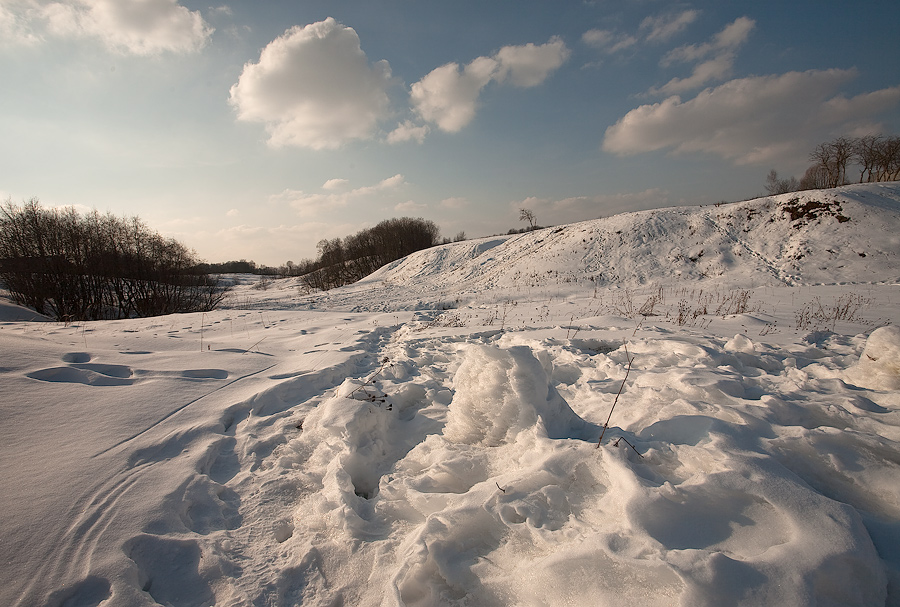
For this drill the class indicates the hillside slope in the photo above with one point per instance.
(849, 234)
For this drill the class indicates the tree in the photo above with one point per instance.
(527, 215)
(832, 157)
(888, 159)
(343, 261)
(866, 152)
(815, 178)
(94, 267)
(774, 185)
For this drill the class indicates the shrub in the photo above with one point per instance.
(93, 267)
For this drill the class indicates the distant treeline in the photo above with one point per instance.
(236, 267)
(876, 156)
(92, 267)
(346, 260)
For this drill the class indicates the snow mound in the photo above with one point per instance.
(500, 393)
(10, 312)
(879, 363)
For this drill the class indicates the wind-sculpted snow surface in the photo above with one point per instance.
(412, 453)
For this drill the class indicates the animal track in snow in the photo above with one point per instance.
(169, 570)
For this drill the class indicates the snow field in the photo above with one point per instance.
(419, 440)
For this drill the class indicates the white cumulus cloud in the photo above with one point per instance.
(314, 87)
(448, 95)
(529, 64)
(145, 27)
(408, 131)
(757, 119)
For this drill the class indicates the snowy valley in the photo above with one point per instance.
(431, 434)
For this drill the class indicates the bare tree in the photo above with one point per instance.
(832, 157)
(94, 267)
(888, 159)
(865, 153)
(774, 185)
(815, 178)
(528, 215)
(343, 261)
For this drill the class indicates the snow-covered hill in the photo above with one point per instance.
(431, 435)
(848, 234)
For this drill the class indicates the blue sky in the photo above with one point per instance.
(253, 129)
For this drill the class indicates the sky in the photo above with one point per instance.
(254, 129)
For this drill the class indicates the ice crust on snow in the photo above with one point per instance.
(430, 436)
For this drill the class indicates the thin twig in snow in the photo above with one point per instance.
(622, 387)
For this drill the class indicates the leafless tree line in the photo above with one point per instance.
(876, 156)
(343, 261)
(91, 267)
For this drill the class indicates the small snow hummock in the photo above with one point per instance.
(879, 363)
(501, 392)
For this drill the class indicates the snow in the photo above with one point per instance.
(430, 436)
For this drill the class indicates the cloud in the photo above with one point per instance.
(454, 202)
(729, 39)
(654, 29)
(313, 87)
(16, 23)
(755, 120)
(581, 208)
(714, 69)
(715, 58)
(529, 65)
(608, 41)
(664, 27)
(232, 213)
(408, 131)
(335, 184)
(448, 95)
(410, 206)
(221, 10)
(316, 203)
(148, 27)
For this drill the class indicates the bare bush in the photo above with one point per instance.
(818, 316)
(93, 267)
(734, 302)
